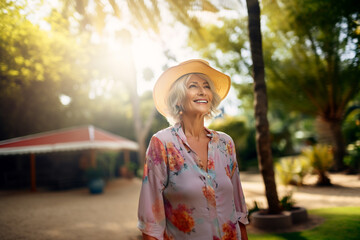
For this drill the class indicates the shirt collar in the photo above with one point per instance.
(177, 128)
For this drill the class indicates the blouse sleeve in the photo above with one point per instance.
(151, 213)
(239, 198)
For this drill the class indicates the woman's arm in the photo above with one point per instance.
(239, 198)
(151, 211)
(243, 231)
(147, 237)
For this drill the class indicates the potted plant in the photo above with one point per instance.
(261, 219)
(95, 177)
(298, 214)
(128, 170)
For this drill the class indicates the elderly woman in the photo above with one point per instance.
(191, 187)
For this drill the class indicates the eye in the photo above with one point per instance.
(192, 85)
(206, 85)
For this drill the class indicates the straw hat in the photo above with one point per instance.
(162, 87)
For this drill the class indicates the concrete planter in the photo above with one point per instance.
(265, 221)
(298, 215)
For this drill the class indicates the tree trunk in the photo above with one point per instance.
(323, 179)
(339, 145)
(127, 73)
(329, 132)
(262, 125)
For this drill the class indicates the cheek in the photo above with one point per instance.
(186, 101)
(210, 95)
(188, 96)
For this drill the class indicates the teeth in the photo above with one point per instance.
(201, 101)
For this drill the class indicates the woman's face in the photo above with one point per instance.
(198, 96)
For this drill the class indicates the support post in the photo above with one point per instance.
(126, 157)
(33, 172)
(93, 158)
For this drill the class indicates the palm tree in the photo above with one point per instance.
(319, 74)
(260, 97)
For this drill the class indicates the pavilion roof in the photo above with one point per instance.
(69, 139)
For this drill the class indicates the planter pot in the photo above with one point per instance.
(298, 215)
(96, 186)
(265, 221)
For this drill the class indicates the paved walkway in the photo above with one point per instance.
(75, 214)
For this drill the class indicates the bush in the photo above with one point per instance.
(254, 208)
(287, 202)
(243, 136)
(93, 173)
(352, 160)
(292, 170)
(321, 159)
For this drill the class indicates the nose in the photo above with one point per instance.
(202, 91)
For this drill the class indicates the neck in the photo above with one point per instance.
(193, 126)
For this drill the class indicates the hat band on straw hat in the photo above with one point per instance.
(163, 85)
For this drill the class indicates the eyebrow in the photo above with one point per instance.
(205, 83)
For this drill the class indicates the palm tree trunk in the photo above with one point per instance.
(323, 179)
(260, 102)
(329, 132)
(339, 145)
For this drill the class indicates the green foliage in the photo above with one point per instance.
(254, 208)
(37, 66)
(287, 202)
(341, 223)
(227, 46)
(292, 170)
(351, 124)
(311, 56)
(244, 138)
(131, 166)
(353, 158)
(309, 68)
(320, 157)
(106, 166)
(94, 173)
(107, 163)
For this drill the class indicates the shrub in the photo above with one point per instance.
(352, 160)
(254, 208)
(93, 173)
(321, 159)
(292, 170)
(287, 202)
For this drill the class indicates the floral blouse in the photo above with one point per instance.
(180, 199)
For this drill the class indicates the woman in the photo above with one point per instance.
(191, 187)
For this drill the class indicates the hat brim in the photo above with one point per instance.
(162, 87)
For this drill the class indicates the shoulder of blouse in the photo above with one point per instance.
(164, 135)
(221, 135)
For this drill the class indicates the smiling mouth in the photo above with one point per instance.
(201, 101)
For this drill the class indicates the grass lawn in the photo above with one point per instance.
(340, 224)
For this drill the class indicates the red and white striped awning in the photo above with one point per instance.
(77, 138)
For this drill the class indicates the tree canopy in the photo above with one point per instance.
(39, 68)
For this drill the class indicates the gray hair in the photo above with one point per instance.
(177, 93)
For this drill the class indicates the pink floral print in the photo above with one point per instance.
(181, 200)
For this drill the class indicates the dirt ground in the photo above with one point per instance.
(75, 214)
